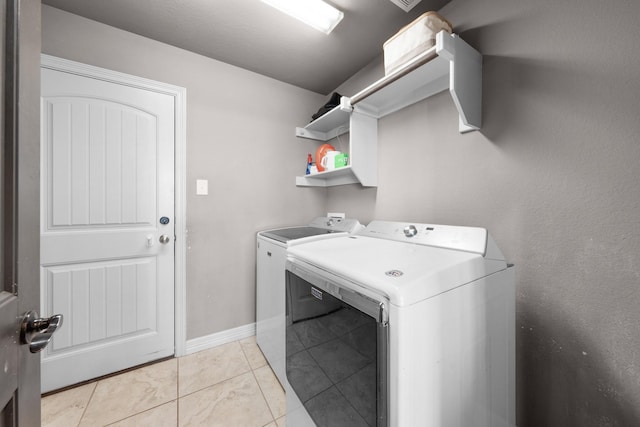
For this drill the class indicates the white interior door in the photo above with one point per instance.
(107, 231)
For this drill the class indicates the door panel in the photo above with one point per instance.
(103, 301)
(19, 200)
(103, 152)
(108, 177)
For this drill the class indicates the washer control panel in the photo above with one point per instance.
(470, 239)
(337, 224)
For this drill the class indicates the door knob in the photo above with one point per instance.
(164, 239)
(36, 331)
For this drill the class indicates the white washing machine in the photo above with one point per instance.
(270, 277)
(402, 325)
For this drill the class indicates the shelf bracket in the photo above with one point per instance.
(465, 78)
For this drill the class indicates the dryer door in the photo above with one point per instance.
(336, 362)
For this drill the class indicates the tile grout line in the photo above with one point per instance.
(256, 379)
(154, 407)
(253, 372)
(226, 379)
(84, 411)
(265, 398)
(178, 391)
(139, 413)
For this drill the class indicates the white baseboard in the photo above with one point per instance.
(219, 338)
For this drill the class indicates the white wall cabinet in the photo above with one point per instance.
(451, 64)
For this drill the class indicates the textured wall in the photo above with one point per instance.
(554, 174)
(240, 136)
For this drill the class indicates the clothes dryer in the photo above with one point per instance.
(413, 325)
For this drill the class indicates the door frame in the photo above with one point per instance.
(180, 98)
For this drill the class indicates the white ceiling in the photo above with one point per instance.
(252, 35)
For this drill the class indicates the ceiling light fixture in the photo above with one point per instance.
(314, 13)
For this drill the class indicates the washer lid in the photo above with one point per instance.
(403, 272)
(285, 234)
(318, 227)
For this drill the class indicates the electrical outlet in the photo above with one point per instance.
(202, 187)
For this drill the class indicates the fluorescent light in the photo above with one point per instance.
(314, 13)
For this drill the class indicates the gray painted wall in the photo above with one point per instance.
(240, 136)
(554, 175)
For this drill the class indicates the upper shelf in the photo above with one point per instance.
(450, 64)
(329, 125)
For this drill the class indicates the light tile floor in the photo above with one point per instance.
(229, 385)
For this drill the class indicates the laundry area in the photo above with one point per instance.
(424, 213)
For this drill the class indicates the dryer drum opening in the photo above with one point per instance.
(337, 357)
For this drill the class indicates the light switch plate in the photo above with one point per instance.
(202, 187)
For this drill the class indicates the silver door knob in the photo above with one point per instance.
(37, 332)
(164, 239)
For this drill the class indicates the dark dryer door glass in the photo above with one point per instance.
(333, 356)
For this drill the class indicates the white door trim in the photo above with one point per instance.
(180, 96)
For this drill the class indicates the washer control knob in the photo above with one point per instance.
(410, 230)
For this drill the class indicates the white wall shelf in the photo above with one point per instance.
(330, 125)
(363, 148)
(328, 178)
(451, 64)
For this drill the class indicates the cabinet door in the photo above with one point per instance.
(270, 307)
